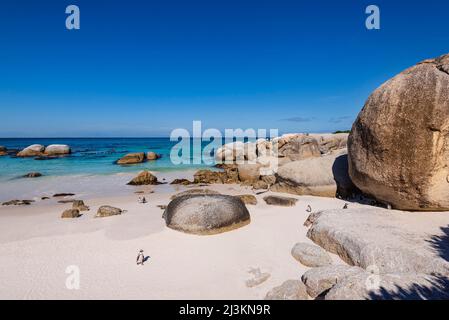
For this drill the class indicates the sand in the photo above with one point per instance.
(37, 247)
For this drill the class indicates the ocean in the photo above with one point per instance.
(90, 156)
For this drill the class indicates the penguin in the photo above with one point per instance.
(309, 208)
(345, 206)
(140, 258)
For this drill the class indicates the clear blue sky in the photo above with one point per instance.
(143, 68)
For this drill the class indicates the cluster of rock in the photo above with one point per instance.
(302, 164)
(38, 150)
(78, 206)
(138, 157)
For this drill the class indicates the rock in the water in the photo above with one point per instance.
(71, 213)
(326, 176)
(386, 239)
(32, 151)
(79, 204)
(144, 178)
(321, 279)
(193, 192)
(3, 151)
(280, 201)
(153, 156)
(17, 203)
(258, 277)
(311, 255)
(132, 158)
(300, 147)
(248, 199)
(33, 175)
(399, 145)
(57, 150)
(369, 286)
(289, 290)
(206, 214)
(107, 211)
(183, 182)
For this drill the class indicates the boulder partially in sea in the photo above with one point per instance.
(151, 156)
(32, 151)
(399, 145)
(33, 175)
(206, 214)
(57, 150)
(132, 158)
(3, 151)
(144, 178)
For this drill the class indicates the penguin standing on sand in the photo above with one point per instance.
(309, 208)
(140, 258)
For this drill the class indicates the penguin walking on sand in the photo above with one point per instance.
(345, 206)
(309, 208)
(140, 258)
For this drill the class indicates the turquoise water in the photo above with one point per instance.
(89, 156)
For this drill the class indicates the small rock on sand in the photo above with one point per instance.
(311, 255)
(183, 182)
(289, 290)
(107, 211)
(60, 195)
(17, 202)
(70, 213)
(280, 201)
(79, 204)
(248, 199)
(144, 178)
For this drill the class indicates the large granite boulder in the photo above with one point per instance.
(331, 142)
(289, 290)
(321, 279)
(249, 172)
(144, 178)
(326, 176)
(206, 214)
(57, 150)
(399, 144)
(391, 241)
(369, 286)
(32, 151)
(311, 255)
(132, 158)
(193, 192)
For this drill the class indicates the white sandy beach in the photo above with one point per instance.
(36, 247)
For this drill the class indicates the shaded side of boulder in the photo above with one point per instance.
(144, 178)
(280, 201)
(108, 211)
(399, 143)
(311, 255)
(206, 214)
(132, 158)
(289, 290)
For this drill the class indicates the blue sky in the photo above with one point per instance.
(143, 68)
